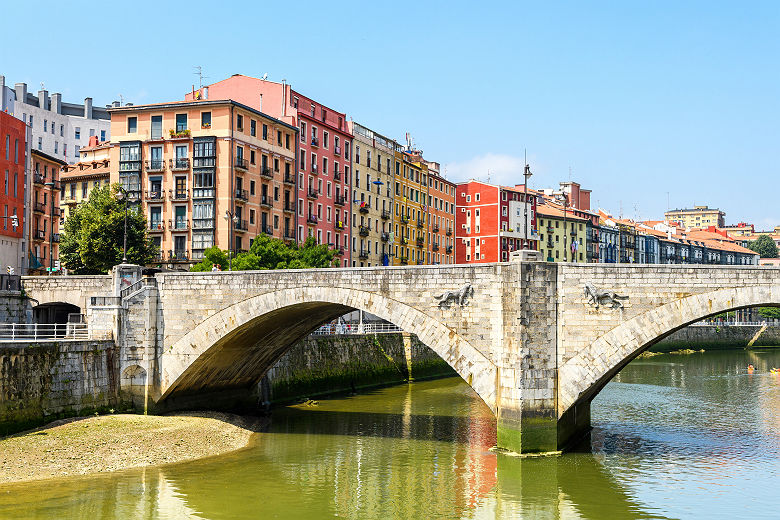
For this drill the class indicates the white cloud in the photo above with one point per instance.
(500, 169)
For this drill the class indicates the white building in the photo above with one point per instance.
(59, 129)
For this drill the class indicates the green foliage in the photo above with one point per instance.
(770, 313)
(92, 241)
(271, 253)
(764, 246)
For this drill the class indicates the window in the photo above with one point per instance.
(181, 122)
(239, 122)
(62, 130)
(279, 137)
(102, 135)
(325, 136)
(45, 124)
(205, 119)
(157, 127)
(287, 141)
(252, 127)
(132, 125)
(251, 157)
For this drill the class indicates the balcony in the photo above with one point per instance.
(39, 234)
(156, 226)
(385, 236)
(404, 241)
(448, 250)
(266, 172)
(241, 164)
(289, 207)
(289, 179)
(449, 232)
(159, 257)
(39, 179)
(337, 150)
(181, 255)
(242, 194)
(268, 230)
(336, 175)
(266, 201)
(289, 234)
(55, 237)
(404, 260)
(315, 141)
(155, 165)
(180, 164)
(386, 214)
(179, 195)
(314, 169)
(339, 251)
(56, 212)
(155, 195)
(39, 207)
(339, 224)
(339, 200)
(241, 225)
(435, 247)
(311, 219)
(420, 241)
(312, 194)
(435, 228)
(179, 224)
(404, 219)
(420, 223)
(363, 255)
(363, 231)
(364, 207)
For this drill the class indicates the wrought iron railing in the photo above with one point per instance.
(49, 331)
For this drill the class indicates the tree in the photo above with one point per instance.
(764, 246)
(271, 253)
(770, 313)
(92, 242)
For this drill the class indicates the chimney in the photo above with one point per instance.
(56, 102)
(88, 108)
(2, 94)
(116, 104)
(21, 92)
(93, 140)
(43, 99)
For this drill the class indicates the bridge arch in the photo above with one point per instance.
(586, 374)
(234, 347)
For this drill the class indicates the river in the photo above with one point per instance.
(675, 436)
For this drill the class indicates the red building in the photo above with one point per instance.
(323, 158)
(43, 227)
(13, 148)
(492, 221)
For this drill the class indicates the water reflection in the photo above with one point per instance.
(674, 437)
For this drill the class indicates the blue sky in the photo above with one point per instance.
(637, 99)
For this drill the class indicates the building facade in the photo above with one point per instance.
(78, 180)
(13, 160)
(562, 233)
(45, 213)
(59, 129)
(372, 196)
(441, 217)
(409, 218)
(697, 217)
(205, 173)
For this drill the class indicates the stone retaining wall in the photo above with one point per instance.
(43, 381)
(718, 337)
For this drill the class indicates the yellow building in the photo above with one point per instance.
(698, 217)
(409, 217)
(562, 234)
(78, 180)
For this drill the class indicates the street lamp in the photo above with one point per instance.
(232, 219)
(121, 194)
(526, 175)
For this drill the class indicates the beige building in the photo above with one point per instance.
(78, 180)
(373, 161)
(698, 217)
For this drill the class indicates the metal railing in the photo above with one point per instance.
(105, 301)
(44, 331)
(357, 328)
(137, 286)
(730, 324)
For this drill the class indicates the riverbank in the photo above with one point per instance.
(107, 443)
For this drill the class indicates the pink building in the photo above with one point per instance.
(323, 156)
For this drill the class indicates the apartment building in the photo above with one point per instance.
(59, 129)
(410, 211)
(78, 180)
(372, 196)
(13, 158)
(562, 232)
(323, 151)
(205, 173)
(45, 213)
(492, 221)
(441, 217)
(697, 217)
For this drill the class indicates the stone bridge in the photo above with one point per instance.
(526, 338)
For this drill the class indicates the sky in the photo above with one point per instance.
(649, 104)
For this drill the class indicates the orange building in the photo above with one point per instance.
(44, 224)
(441, 217)
(205, 173)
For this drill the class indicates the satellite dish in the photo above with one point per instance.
(265, 76)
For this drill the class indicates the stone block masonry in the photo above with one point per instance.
(48, 380)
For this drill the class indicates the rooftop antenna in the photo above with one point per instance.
(569, 173)
(621, 209)
(121, 100)
(667, 201)
(488, 179)
(265, 76)
(42, 87)
(199, 73)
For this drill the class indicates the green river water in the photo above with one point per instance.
(675, 436)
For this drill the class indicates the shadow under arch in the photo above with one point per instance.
(235, 347)
(588, 372)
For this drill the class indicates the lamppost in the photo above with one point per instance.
(526, 175)
(50, 185)
(121, 194)
(232, 219)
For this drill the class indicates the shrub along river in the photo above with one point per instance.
(675, 436)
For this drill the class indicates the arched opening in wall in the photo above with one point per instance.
(56, 312)
(221, 361)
